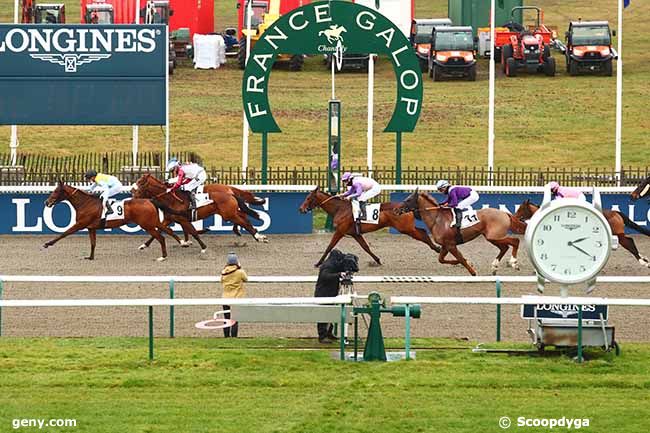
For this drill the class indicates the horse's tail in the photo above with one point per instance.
(517, 226)
(244, 207)
(632, 224)
(248, 196)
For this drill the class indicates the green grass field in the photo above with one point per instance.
(214, 385)
(540, 121)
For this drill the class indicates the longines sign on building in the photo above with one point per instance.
(318, 28)
(80, 74)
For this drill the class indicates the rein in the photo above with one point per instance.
(323, 202)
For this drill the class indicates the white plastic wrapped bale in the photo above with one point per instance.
(209, 51)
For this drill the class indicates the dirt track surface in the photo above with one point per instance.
(284, 255)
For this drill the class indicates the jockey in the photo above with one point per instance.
(558, 191)
(190, 177)
(459, 198)
(361, 189)
(107, 186)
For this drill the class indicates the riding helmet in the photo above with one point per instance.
(442, 184)
(90, 174)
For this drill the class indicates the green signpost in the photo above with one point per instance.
(317, 28)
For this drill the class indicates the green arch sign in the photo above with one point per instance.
(318, 28)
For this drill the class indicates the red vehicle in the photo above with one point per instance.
(42, 13)
(525, 48)
(589, 47)
(109, 11)
(453, 53)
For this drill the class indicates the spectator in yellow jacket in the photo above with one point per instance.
(233, 278)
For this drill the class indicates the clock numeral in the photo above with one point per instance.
(599, 244)
(571, 214)
(540, 242)
(586, 219)
(593, 258)
(546, 228)
(544, 256)
(553, 267)
(582, 268)
(567, 272)
(595, 229)
(556, 218)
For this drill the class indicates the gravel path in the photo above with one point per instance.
(284, 255)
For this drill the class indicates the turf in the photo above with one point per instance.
(213, 385)
(540, 121)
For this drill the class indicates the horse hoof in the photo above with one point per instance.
(142, 247)
(644, 262)
(265, 240)
(203, 251)
(161, 259)
(374, 264)
(317, 265)
(46, 245)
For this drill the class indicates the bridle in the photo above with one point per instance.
(310, 207)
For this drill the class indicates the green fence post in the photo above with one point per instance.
(498, 312)
(398, 158)
(171, 309)
(407, 325)
(1, 294)
(579, 333)
(150, 333)
(342, 336)
(265, 158)
(356, 336)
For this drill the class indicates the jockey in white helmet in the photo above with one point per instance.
(361, 189)
(459, 198)
(190, 177)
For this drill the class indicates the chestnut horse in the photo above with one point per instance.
(341, 212)
(643, 190)
(493, 225)
(88, 208)
(176, 207)
(617, 221)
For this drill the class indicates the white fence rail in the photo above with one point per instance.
(291, 279)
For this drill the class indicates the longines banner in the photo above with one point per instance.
(318, 28)
(83, 75)
(27, 214)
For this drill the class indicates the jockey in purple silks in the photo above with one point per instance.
(558, 191)
(459, 198)
(360, 188)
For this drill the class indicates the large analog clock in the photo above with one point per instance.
(569, 241)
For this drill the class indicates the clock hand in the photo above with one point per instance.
(579, 249)
(579, 240)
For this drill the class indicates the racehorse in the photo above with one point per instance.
(493, 225)
(617, 221)
(176, 208)
(642, 190)
(341, 212)
(88, 208)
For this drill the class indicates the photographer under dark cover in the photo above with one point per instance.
(336, 270)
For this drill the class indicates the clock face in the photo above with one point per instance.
(570, 244)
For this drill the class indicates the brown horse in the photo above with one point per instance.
(643, 190)
(175, 208)
(493, 225)
(617, 221)
(341, 212)
(88, 208)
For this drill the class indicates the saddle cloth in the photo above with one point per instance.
(202, 199)
(372, 212)
(470, 218)
(118, 209)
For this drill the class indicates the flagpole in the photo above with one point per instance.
(13, 141)
(245, 132)
(491, 96)
(619, 94)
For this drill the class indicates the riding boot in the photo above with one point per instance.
(109, 209)
(193, 205)
(362, 210)
(458, 221)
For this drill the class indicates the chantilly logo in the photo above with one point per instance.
(334, 35)
(73, 47)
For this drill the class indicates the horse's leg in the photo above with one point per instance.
(336, 237)
(361, 241)
(189, 228)
(166, 222)
(241, 219)
(235, 230)
(422, 236)
(503, 246)
(628, 244)
(92, 234)
(154, 231)
(75, 228)
(441, 258)
(461, 259)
